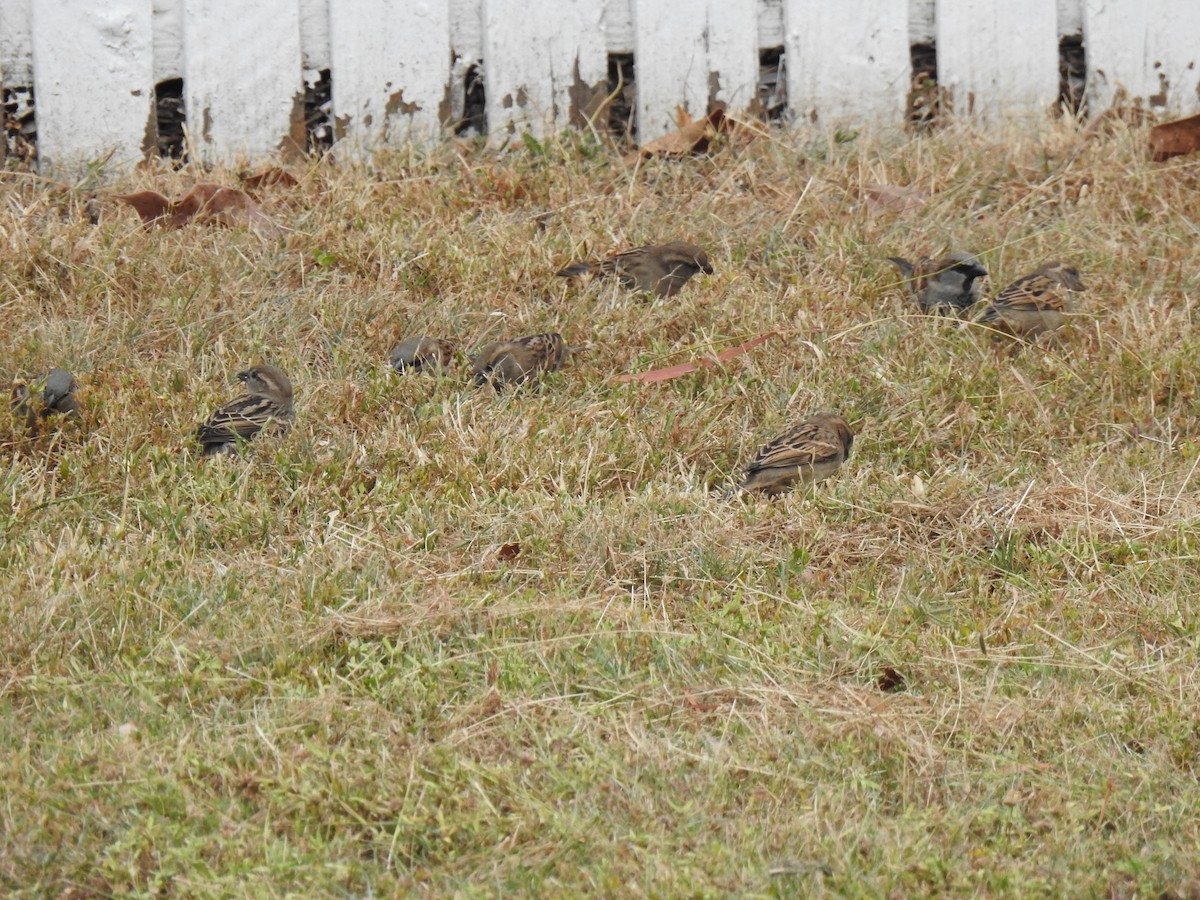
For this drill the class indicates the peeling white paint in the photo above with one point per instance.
(99, 99)
(315, 24)
(690, 53)
(999, 60)
(922, 21)
(241, 95)
(16, 42)
(1149, 51)
(535, 54)
(399, 68)
(168, 39)
(393, 65)
(852, 61)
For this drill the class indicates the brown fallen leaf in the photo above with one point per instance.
(205, 204)
(894, 198)
(1175, 138)
(692, 137)
(684, 368)
(509, 552)
(272, 177)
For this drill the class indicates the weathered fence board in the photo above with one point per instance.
(97, 99)
(400, 70)
(315, 23)
(167, 24)
(16, 42)
(545, 63)
(851, 61)
(1148, 49)
(691, 53)
(998, 60)
(393, 67)
(242, 101)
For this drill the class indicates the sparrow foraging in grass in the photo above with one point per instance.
(422, 354)
(46, 395)
(945, 286)
(662, 269)
(267, 404)
(808, 452)
(1034, 303)
(524, 360)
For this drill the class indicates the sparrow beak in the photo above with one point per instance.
(242, 376)
(707, 268)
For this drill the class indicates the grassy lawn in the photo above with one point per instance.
(441, 640)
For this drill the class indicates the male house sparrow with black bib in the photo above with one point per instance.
(52, 393)
(945, 286)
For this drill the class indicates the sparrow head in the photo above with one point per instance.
(496, 362)
(965, 264)
(59, 384)
(905, 267)
(421, 351)
(267, 381)
(686, 254)
(1064, 273)
(838, 426)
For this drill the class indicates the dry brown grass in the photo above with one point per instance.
(965, 665)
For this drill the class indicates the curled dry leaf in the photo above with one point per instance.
(509, 552)
(692, 137)
(684, 368)
(272, 177)
(205, 204)
(1175, 138)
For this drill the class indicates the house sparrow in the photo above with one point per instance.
(421, 354)
(945, 286)
(526, 359)
(267, 403)
(50, 394)
(810, 451)
(662, 269)
(1034, 303)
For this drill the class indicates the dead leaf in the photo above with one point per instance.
(1175, 138)
(692, 137)
(149, 205)
(684, 368)
(894, 198)
(509, 552)
(204, 204)
(272, 177)
(744, 129)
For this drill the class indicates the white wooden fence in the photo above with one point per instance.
(400, 69)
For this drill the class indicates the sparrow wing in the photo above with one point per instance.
(1032, 293)
(240, 419)
(807, 444)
